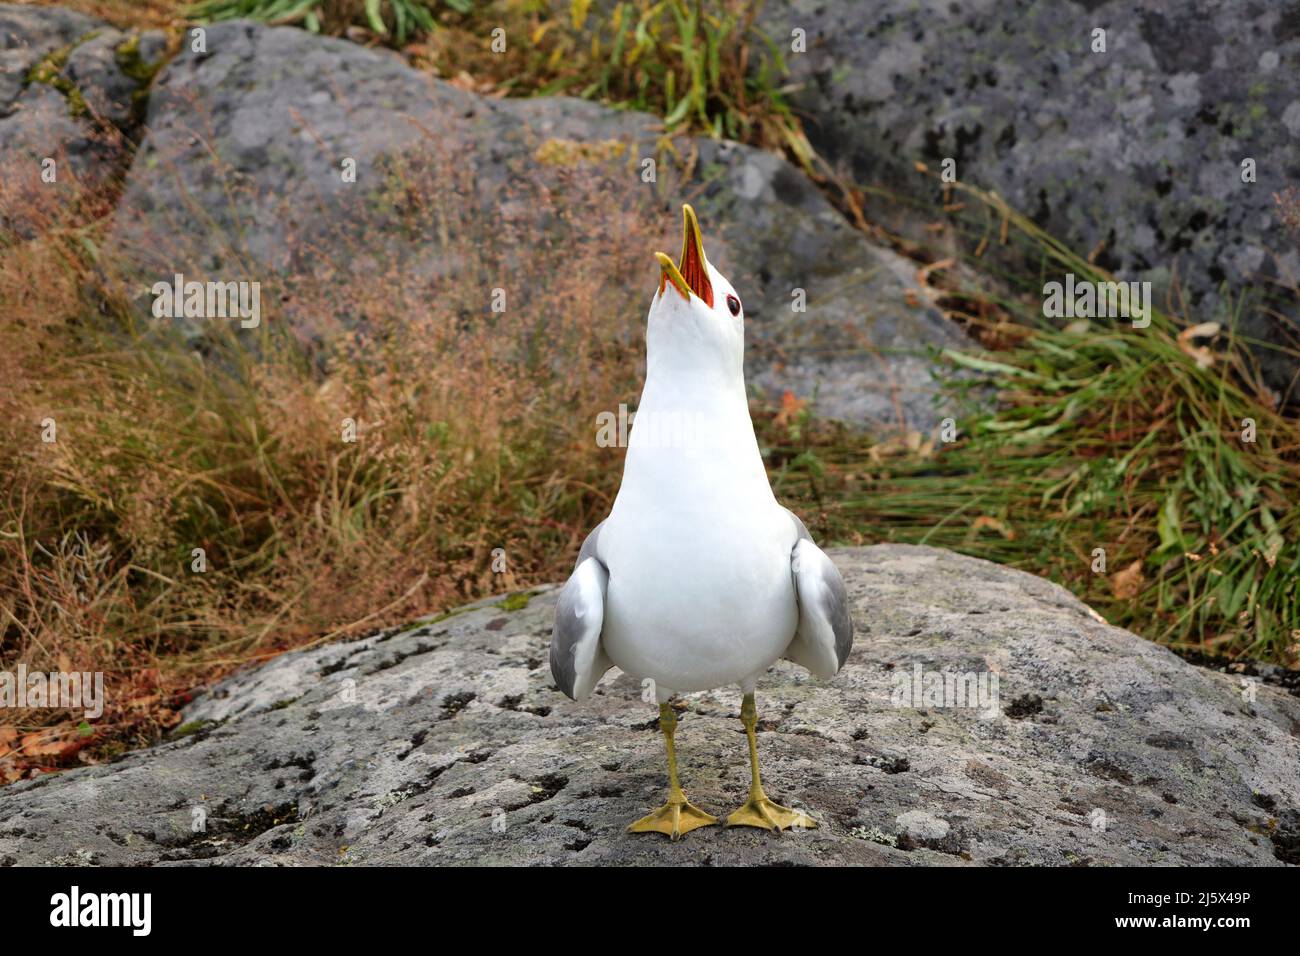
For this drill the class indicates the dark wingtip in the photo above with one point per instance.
(842, 620)
(845, 644)
(563, 672)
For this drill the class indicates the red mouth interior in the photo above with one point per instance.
(693, 271)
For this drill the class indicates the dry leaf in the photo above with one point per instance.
(1204, 330)
(912, 442)
(790, 408)
(1126, 584)
(923, 273)
(987, 521)
(52, 744)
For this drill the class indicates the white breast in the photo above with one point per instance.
(700, 590)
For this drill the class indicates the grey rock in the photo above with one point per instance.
(445, 743)
(252, 135)
(89, 138)
(1139, 148)
(92, 68)
(29, 34)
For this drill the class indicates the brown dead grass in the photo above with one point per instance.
(144, 14)
(475, 431)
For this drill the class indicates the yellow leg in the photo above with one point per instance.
(758, 810)
(678, 815)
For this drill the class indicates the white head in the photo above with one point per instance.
(696, 323)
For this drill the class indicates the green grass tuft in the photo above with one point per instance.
(516, 602)
(1102, 436)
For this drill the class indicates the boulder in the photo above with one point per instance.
(445, 743)
(240, 176)
(1135, 153)
(70, 91)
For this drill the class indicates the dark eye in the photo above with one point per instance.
(733, 304)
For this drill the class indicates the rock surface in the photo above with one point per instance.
(445, 743)
(241, 169)
(1136, 151)
(80, 110)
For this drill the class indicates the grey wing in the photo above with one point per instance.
(824, 635)
(577, 659)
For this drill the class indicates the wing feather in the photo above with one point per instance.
(577, 659)
(824, 635)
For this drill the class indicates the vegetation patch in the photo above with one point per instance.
(49, 71)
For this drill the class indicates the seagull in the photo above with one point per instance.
(698, 578)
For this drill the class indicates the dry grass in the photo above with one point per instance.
(144, 14)
(468, 440)
(1103, 436)
(703, 67)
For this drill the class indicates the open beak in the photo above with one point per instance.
(691, 275)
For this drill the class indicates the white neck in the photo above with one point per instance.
(693, 438)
